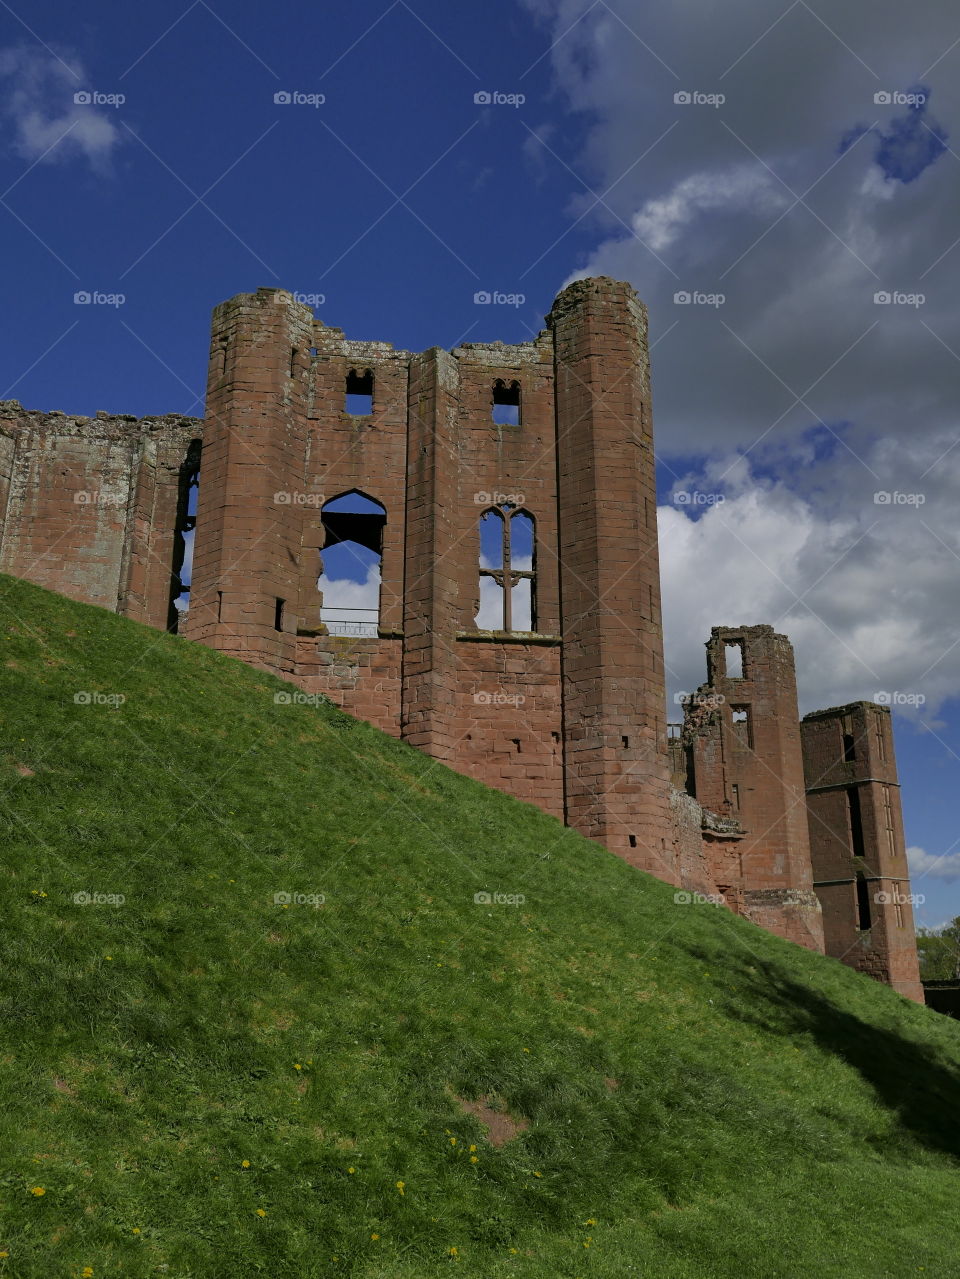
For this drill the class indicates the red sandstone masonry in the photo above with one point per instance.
(851, 770)
(88, 505)
(753, 773)
(617, 770)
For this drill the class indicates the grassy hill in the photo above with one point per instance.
(201, 1080)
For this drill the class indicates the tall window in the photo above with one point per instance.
(350, 564)
(506, 403)
(183, 535)
(358, 396)
(507, 571)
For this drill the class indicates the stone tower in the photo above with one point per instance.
(743, 734)
(857, 844)
(565, 708)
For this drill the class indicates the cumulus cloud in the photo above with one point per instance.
(352, 600)
(946, 866)
(747, 186)
(816, 392)
(40, 117)
(856, 584)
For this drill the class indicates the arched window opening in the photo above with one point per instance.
(184, 529)
(358, 398)
(506, 403)
(507, 570)
(350, 564)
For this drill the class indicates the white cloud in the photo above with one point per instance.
(348, 597)
(923, 863)
(41, 118)
(863, 590)
(799, 397)
(748, 186)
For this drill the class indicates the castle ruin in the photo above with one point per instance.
(509, 495)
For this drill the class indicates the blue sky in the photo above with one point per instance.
(814, 187)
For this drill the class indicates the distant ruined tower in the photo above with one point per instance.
(857, 843)
(743, 738)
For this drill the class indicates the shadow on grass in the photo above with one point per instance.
(917, 1083)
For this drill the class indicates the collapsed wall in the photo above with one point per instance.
(95, 508)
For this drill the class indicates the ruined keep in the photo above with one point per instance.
(312, 440)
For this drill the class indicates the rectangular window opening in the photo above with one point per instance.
(358, 399)
(849, 741)
(626, 743)
(733, 655)
(506, 403)
(856, 822)
(742, 724)
(863, 904)
(219, 605)
(278, 615)
(633, 841)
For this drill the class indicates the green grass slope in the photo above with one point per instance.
(200, 1081)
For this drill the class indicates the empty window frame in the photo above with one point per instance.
(507, 570)
(185, 524)
(733, 658)
(742, 724)
(848, 738)
(855, 821)
(864, 920)
(358, 394)
(506, 410)
(352, 548)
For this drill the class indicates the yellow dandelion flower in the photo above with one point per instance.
(244, 1163)
(454, 1252)
(474, 1159)
(589, 1222)
(37, 1190)
(526, 1050)
(400, 1186)
(136, 1230)
(472, 1149)
(374, 1236)
(87, 1272)
(4, 1253)
(538, 1174)
(513, 1252)
(351, 1170)
(453, 1141)
(261, 1213)
(297, 1066)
